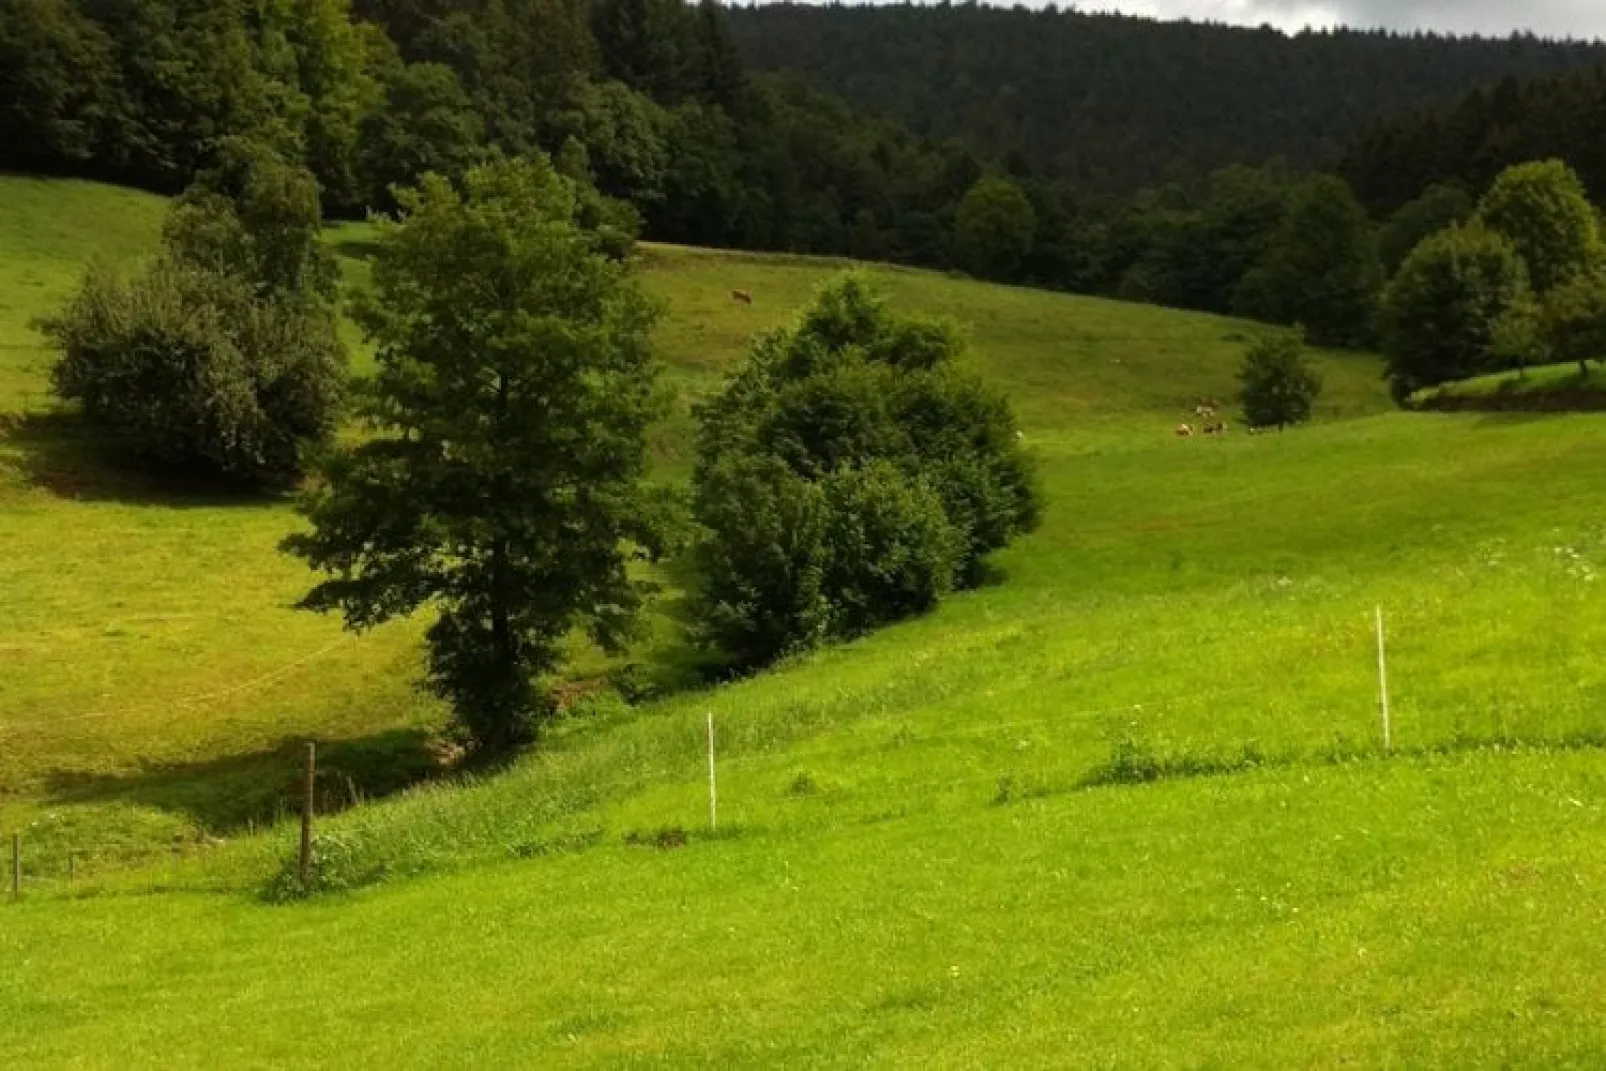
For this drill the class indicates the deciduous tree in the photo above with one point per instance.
(500, 484)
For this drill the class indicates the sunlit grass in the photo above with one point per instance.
(921, 857)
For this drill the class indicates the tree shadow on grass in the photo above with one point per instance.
(61, 453)
(235, 792)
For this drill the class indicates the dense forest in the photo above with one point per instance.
(1174, 163)
(1113, 102)
(647, 96)
(1467, 144)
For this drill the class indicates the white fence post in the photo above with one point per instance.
(713, 791)
(1383, 684)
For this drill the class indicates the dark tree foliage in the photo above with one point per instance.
(994, 229)
(1470, 143)
(1439, 208)
(1445, 313)
(1116, 103)
(222, 359)
(849, 475)
(1572, 322)
(426, 124)
(1320, 270)
(1084, 152)
(500, 483)
(1279, 387)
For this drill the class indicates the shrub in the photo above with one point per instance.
(762, 567)
(188, 370)
(849, 475)
(223, 358)
(1279, 386)
(890, 550)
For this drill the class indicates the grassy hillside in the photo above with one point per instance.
(1549, 388)
(157, 679)
(1124, 807)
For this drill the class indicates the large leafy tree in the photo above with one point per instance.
(1543, 211)
(426, 123)
(500, 484)
(1442, 316)
(1572, 321)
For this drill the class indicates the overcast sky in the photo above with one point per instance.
(1552, 18)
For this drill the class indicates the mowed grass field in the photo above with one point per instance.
(1125, 807)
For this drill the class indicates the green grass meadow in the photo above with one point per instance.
(1126, 806)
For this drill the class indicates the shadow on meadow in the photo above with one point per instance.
(234, 792)
(60, 453)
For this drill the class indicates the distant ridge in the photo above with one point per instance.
(1118, 102)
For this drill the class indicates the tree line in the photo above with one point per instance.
(1158, 166)
(1111, 103)
(646, 99)
(1468, 143)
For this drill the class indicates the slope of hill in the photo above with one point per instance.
(1126, 806)
(1117, 102)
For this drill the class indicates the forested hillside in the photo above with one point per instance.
(1470, 142)
(1116, 103)
(647, 96)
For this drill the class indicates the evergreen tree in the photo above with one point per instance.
(500, 484)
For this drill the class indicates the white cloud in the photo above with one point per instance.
(1554, 18)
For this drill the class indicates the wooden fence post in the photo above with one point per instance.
(308, 802)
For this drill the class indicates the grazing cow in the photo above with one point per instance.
(1205, 412)
(1184, 431)
(742, 297)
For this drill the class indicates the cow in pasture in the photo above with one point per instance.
(1184, 431)
(742, 297)
(1205, 412)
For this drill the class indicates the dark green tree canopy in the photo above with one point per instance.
(501, 482)
(1442, 314)
(223, 358)
(1438, 208)
(994, 228)
(1321, 268)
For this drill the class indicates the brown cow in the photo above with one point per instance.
(744, 297)
(1184, 431)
